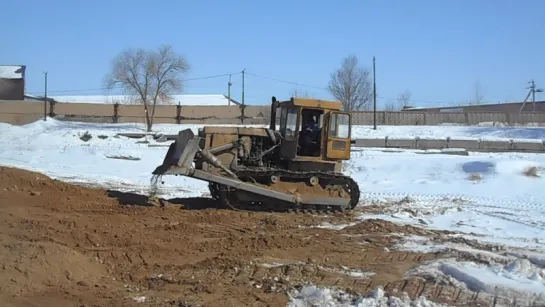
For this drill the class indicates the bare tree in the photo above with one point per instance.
(351, 85)
(150, 75)
(397, 104)
(296, 92)
(478, 98)
(404, 98)
(391, 106)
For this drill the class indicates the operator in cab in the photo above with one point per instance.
(311, 127)
(309, 134)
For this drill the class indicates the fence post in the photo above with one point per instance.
(52, 108)
(179, 113)
(466, 115)
(242, 107)
(508, 119)
(116, 112)
(355, 118)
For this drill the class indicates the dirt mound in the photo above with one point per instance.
(35, 267)
(381, 226)
(17, 180)
(65, 245)
(52, 193)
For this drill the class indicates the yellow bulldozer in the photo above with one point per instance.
(295, 166)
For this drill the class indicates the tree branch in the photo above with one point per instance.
(351, 85)
(151, 75)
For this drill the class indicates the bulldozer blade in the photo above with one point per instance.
(180, 154)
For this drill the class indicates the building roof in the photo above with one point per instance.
(12, 71)
(471, 106)
(192, 100)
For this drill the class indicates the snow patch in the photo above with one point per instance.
(485, 253)
(310, 296)
(279, 264)
(330, 226)
(11, 71)
(349, 272)
(486, 219)
(514, 279)
(139, 299)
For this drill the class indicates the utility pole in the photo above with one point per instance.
(374, 97)
(243, 105)
(45, 97)
(533, 91)
(229, 90)
(243, 71)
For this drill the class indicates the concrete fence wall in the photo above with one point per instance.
(23, 112)
(431, 119)
(469, 144)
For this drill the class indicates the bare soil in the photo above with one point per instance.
(67, 245)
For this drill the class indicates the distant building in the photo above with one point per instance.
(188, 100)
(12, 82)
(510, 107)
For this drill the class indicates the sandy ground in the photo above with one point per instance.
(66, 245)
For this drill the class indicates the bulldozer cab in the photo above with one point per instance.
(313, 130)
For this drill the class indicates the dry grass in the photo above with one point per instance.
(475, 177)
(86, 136)
(531, 171)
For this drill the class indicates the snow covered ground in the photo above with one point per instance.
(490, 194)
(493, 198)
(483, 131)
(314, 296)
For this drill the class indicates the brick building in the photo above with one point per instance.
(12, 82)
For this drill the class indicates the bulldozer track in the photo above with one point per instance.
(227, 195)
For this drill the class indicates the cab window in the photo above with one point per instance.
(291, 124)
(283, 116)
(339, 126)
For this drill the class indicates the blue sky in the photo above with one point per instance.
(438, 49)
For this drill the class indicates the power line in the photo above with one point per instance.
(251, 74)
(218, 76)
(288, 82)
(105, 88)
(326, 89)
